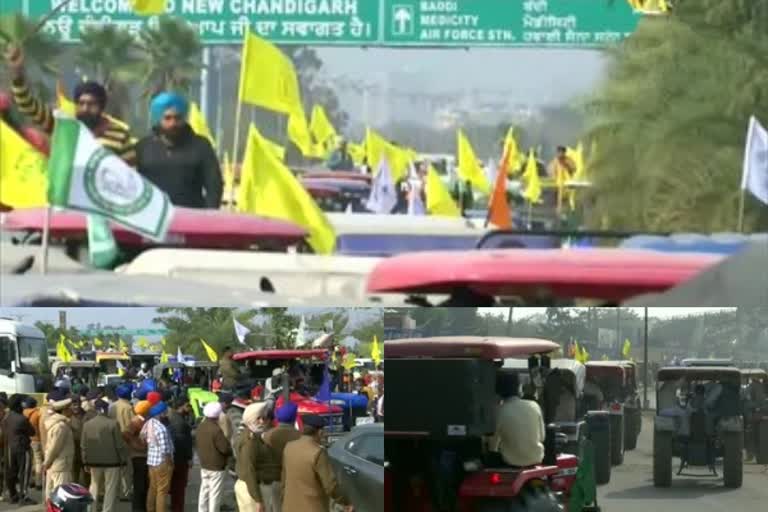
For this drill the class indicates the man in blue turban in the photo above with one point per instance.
(176, 159)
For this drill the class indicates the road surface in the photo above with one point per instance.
(631, 487)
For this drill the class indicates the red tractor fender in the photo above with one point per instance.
(503, 482)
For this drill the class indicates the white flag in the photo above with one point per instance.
(415, 204)
(755, 173)
(383, 198)
(83, 175)
(301, 333)
(241, 331)
(179, 355)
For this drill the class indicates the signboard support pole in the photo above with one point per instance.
(204, 85)
(646, 404)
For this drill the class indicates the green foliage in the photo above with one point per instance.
(41, 50)
(671, 118)
(172, 56)
(187, 326)
(108, 54)
(282, 328)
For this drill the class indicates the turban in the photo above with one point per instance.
(145, 387)
(154, 397)
(94, 89)
(124, 391)
(226, 398)
(287, 413)
(165, 101)
(252, 414)
(56, 395)
(142, 408)
(212, 410)
(158, 409)
(93, 394)
(102, 406)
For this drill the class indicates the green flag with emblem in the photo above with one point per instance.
(83, 175)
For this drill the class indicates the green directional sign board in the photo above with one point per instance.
(568, 23)
(402, 23)
(314, 22)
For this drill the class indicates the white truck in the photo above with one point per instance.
(23, 359)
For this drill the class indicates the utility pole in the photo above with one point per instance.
(63, 320)
(618, 328)
(510, 316)
(646, 404)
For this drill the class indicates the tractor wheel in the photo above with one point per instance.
(733, 459)
(602, 443)
(630, 433)
(617, 440)
(662, 459)
(761, 442)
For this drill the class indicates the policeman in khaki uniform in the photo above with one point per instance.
(308, 481)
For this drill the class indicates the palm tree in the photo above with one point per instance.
(172, 59)
(111, 56)
(40, 49)
(671, 117)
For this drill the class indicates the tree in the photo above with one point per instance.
(282, 327)
(187, 326)
(365, 333)
(40, 50)
(172, 56)
(670, 119)
(339, 319)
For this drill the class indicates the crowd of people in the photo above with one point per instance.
(138, 445)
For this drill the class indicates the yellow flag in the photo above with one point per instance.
(277, 149)
(321, 127)
(349, 361)
(64, 103)
(198, 124)
(267, 76)
(143, 343)
(62, 352)
(576, 350)
(469, 168)
(532, 182)
(375, 351)
(378, 148)
(164, 356)
(625, 350)
(269, 188)
(148, 7)
(212, 355)
(357, 152)
(512, 153)
(22, 171)
(439, 200)
(228, 171)
(97, 342)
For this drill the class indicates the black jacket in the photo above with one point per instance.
(181, 434)
(187, 171)
(18, 431)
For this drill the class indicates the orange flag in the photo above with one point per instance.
(499, 212)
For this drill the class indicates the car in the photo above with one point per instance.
(358, 459)
(699, 420)
(534, 277)
(421, 423)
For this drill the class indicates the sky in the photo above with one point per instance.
(137, 318)
(652, 312)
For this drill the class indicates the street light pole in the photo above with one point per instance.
(646, 404)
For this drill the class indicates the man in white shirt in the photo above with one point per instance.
(520, 433)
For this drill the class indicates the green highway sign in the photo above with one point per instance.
(558, 23)
(401, 23)
(314, 22)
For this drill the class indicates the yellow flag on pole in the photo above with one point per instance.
(321, 127)
(269, 188)
(626, 349)
(62, 352)
(212, 355)
(439, 200)
(65, 104)
(469, 168)
(531, 177)
(22, 171)
(375, 351)
(198, 124)
(512, 152)
(267, 76)
(148, 7)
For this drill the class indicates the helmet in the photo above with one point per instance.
(69, 498)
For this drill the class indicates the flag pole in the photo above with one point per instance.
(235, 148)
(740, 226)
(46, 238)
